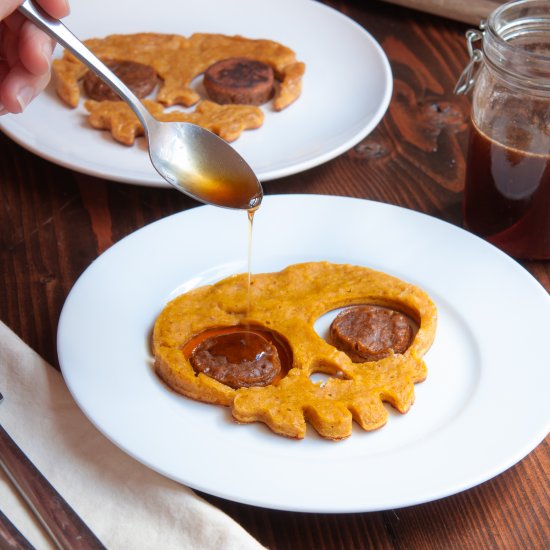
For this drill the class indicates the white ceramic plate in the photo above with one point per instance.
(483, 407)
(346, 88)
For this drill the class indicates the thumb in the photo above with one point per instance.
(7, 7)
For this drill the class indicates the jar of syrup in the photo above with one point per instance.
(507, 186)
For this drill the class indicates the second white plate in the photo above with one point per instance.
(346, 89)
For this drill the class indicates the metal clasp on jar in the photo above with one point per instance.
(467, 78)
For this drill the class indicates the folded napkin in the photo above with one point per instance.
(125, 504)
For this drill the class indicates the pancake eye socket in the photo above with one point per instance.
(371, 332)
(240, 356)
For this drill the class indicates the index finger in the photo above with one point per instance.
(56, 8)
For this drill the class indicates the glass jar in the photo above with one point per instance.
(507, 186)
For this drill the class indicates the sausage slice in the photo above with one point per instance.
(239, 80)
(140, 78)
(238, 359)
(370, 333)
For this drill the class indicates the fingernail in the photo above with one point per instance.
(24, 96)
(67, 6)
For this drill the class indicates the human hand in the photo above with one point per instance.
(25, 54)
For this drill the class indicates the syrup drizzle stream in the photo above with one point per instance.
(250, 213)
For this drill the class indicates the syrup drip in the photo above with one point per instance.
(250, 213)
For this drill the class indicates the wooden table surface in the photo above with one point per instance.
(54, 222)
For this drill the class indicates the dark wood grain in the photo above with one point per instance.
(54, 222)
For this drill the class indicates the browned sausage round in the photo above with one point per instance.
(238, 359)
(141, 79)
(239, 80)
(369, 333)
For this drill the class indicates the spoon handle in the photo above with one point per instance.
(58, 31)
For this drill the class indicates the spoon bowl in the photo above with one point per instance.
(195, 161)
(202, 165)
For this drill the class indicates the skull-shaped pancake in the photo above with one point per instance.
(178, 60)
(288, 303)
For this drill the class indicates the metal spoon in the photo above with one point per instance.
(192, 159)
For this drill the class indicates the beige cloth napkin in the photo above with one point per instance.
(126, 504)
